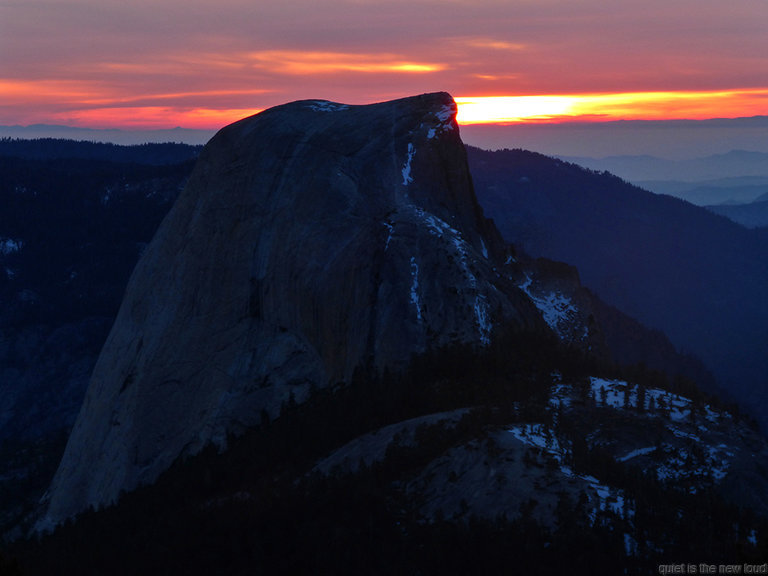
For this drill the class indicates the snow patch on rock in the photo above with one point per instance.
(10, 246)
(696, 458)
(558, 310)
(390, 229)
(440, 228)
(415, 297)
(326, 106)
(446, 116)
(636, 453)
(605, 498)
(407, 178)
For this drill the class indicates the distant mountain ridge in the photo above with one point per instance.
(672, 139)
(736, 177)
(679, 268)
(109, 135)
(741, 190)
(637, 169)
(751, 215)
(152, 154)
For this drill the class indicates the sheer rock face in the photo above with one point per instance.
(312, 238)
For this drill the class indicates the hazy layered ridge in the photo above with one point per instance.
(676, 267)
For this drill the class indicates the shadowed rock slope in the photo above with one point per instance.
(311, 239)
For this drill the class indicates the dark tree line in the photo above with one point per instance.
(256, 509)
(58, 149)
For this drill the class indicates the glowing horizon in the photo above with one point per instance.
(127, 113)
(680, 105)
(200, 65)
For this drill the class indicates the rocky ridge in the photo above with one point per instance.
(531, 466)
(312, 239)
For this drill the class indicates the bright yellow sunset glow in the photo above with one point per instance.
(622, 106)
(501, 109)
(134, 113)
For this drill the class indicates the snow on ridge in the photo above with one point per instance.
(752, 538)
(631, 547)
(690, 457)
(636, 453)
(10, 246)
(610, 392)
(446, 115)
(440, 228)
(678, 462)
(326, 106)
(539, 436)
(560, 395)
(719, 461)
(677, 466)
(681, 434)
(542, 437)
(679, 407)
(484, 324)
(557, 310)
(390, 229)
(415, 298)
(406, 171)
(614, 392)
(609, 499)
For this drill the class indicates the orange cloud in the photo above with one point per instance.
(200, 95)
(29, 91)
(99, 102)
(491, 43)
(296, 62)
(95, 104)
(148, 117)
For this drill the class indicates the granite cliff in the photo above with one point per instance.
(312, 239)
(442, 398)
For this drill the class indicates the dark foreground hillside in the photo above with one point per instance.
(527, 432)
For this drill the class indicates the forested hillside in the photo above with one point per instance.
(75, 217)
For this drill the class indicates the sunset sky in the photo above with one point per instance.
(202, 64)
